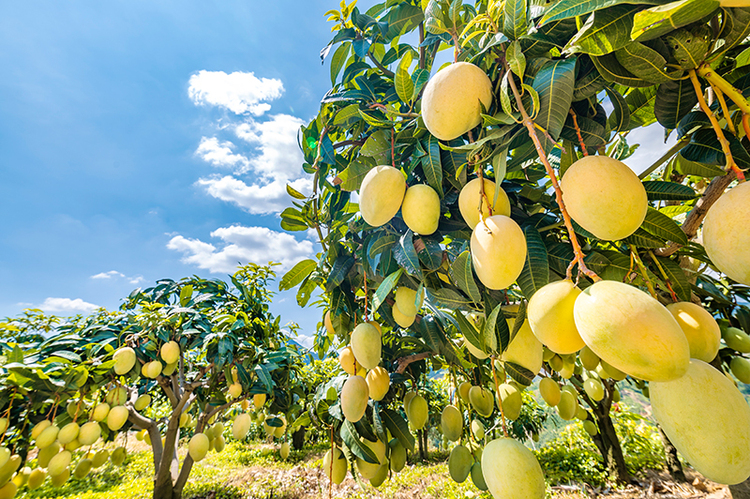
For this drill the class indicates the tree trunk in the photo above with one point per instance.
(609, 445)
(426, 444)
(674, 466)
(741, 490)
(298, 438)
(421, 445)
(166, 490)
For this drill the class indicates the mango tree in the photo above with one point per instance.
(479, 215)
(169, 364)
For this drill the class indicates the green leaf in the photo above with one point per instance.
(398, 428)
(619, 120)
(565, 9)
(420, 79)
(736, 27)
(611, 70)
(406, 255)
(516, 59)
(496, 333)
(704, 147)
(469, 331)
(185, 294)
(677, 278)
(378, 147)
(431, 165)
(605, 31)
(554, 82)
(341, 266)
(519, 373)
(448, 298)
(535, 273)
(674, 99)
(657, 21)
(660, 225)
(645, 63)
(641, 104)
(687, 167)
(434, 20)
(431, 255)
(385, 287)
(381, 244)
(351, 438)
(294, 192)
(643, 239)
(670, 191)
(338, 60)
(297, 274)
(464, 278)
(690, 46)
(351, 178)
(402, 80)
(515, 19)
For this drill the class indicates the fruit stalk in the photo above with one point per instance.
(499, 398)
(664, 275)
(529, 124)
(724, 109)
(731, 165)
(7, 412)
(578, 132)
(644, 272)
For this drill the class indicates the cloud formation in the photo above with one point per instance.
(239, 92)
(241, 245)
(67, 305)
(220, 154)
(114, 274)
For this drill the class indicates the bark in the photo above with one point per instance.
(609, 445)
(674, 466)
(741, 490)
(298, 438)
(421, 445)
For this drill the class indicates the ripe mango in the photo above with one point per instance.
(594, 389)
(142, 402)
(89, 433)
(725, 236)
(4, 456)
(40, 427)
(459, 463)
(59, 480)
(452, 422)
(354, 395)
(198, 446)
(116, 396)
(463, 391)
(477, 429)
(421, 209)
(369, 470)
(170, 352)
(3, 425)
(498, 251)
(481, 400)
(259, 399)
(8, 491)
(632, 331)
(469, 198)
(524, 349)
(328, 323)
(219, 443)
(47, 436)
(708, 421)
(604, 197)
(511, 471)
(117, 417)
(36, 479)
(407, 399)
(398, 455)
(378, 382)
(418, 412)
(451, 100)
(510, 400)
(406, 300)
(568, 406)
(241, 426)
(366, 345)
(118, 456)
(402, 320)
(550, 391)
(589, 360)
(700, 328)
(234, 391)
(124, 360)
(381, 194)
(741, 369)
(59, 463)
(550, 316)
(151, 369)
(337, 473)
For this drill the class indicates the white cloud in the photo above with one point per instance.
(67, 305)
(220, 154)
(280, 156)
(242, 245)
(255, 198)
(652, 146)
(108, 275)
(238, 92)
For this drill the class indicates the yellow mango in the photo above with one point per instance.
(68, 433)
(468, 202)
(170, 352)
(708, 421)
(89, 433)
(725, 235)
(241, 426)
(734, 3)
(398, 455)
(234, 390)
(47, 453)
(525, 349)
(142, 402)
(567, 408)
(463, 391)
(198, 446)
(510, 400)
(354, 395)
(421, 209)
(550, 315)
(378, 382)
(124, 360)
(590, 427)
(589, 360)
(347, 360)
(336, 470)
(36, 479)
(550, 391)
(402, 320)
(59, 480)
(481, 400)
(40, 427)
(452, 422)
(498, 251)
(406, 300)
(418, 412)
(594, 389)
(369, 470)
(284, 451)
(117, 417)
(407, 399)
(100, 412)
(59, 463)
(47, 436)
(259, 399)
(741, 369)
(381, 194)
(329, 323)
(700, 328)
(477, 429)
(451, 100)
(118, 456)
(8, 491)
(632, 331)
(511, 471)
(459, 463)
(604, 197)
(736, 339)
(366, 345)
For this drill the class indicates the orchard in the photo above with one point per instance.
(479, 222)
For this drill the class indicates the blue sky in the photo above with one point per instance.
(141, 140)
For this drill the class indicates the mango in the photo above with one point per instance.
(40, 427)
(604, 197)
(736, 339)
(481, 400)
(170, 352)
(581, 413)
(477, 429)
(234, 391)
(406, 300)
(407, 399)
(241, 426)
(124, 360)
(22, 477)
(116, 396)
(369, 470)
(59, 480)
(524, 349)
(469, 198)
(459, 463)
(568, 406)
(725, 236)
(89, 433)
(398, 455)
(550, 316)
(151, 369)
(463, 391)
(8, 491)
(366, 345)
(118, 456)
(47, 453)
(83, 468)
(4, 456)
(511, 471)
(418, 412)
(100, 412)
(328, 323)
(259, 399)
(741, 369)
(510, 400)
(700, 328)
(589, 360)
(402, 320)
(219, 443)
(198, 446)
(381, 194)
(59, 463)
(550, 391)
(632, 331)
(117, 417)
(708, 421)
(594, 389)
(452, 422)
(279, 431)
(100, 457)
(3, 425)
(354, 395)
(169, 369)
(498, 251)
(47, 436)
(477, 477)
(421, 209)
(378, 383)
(590, 428)
(36, 479)
(142, 402)
(336, 471)
(451, 100)
(380, 476)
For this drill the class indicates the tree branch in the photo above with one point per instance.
(404, 362)
(382, 68)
